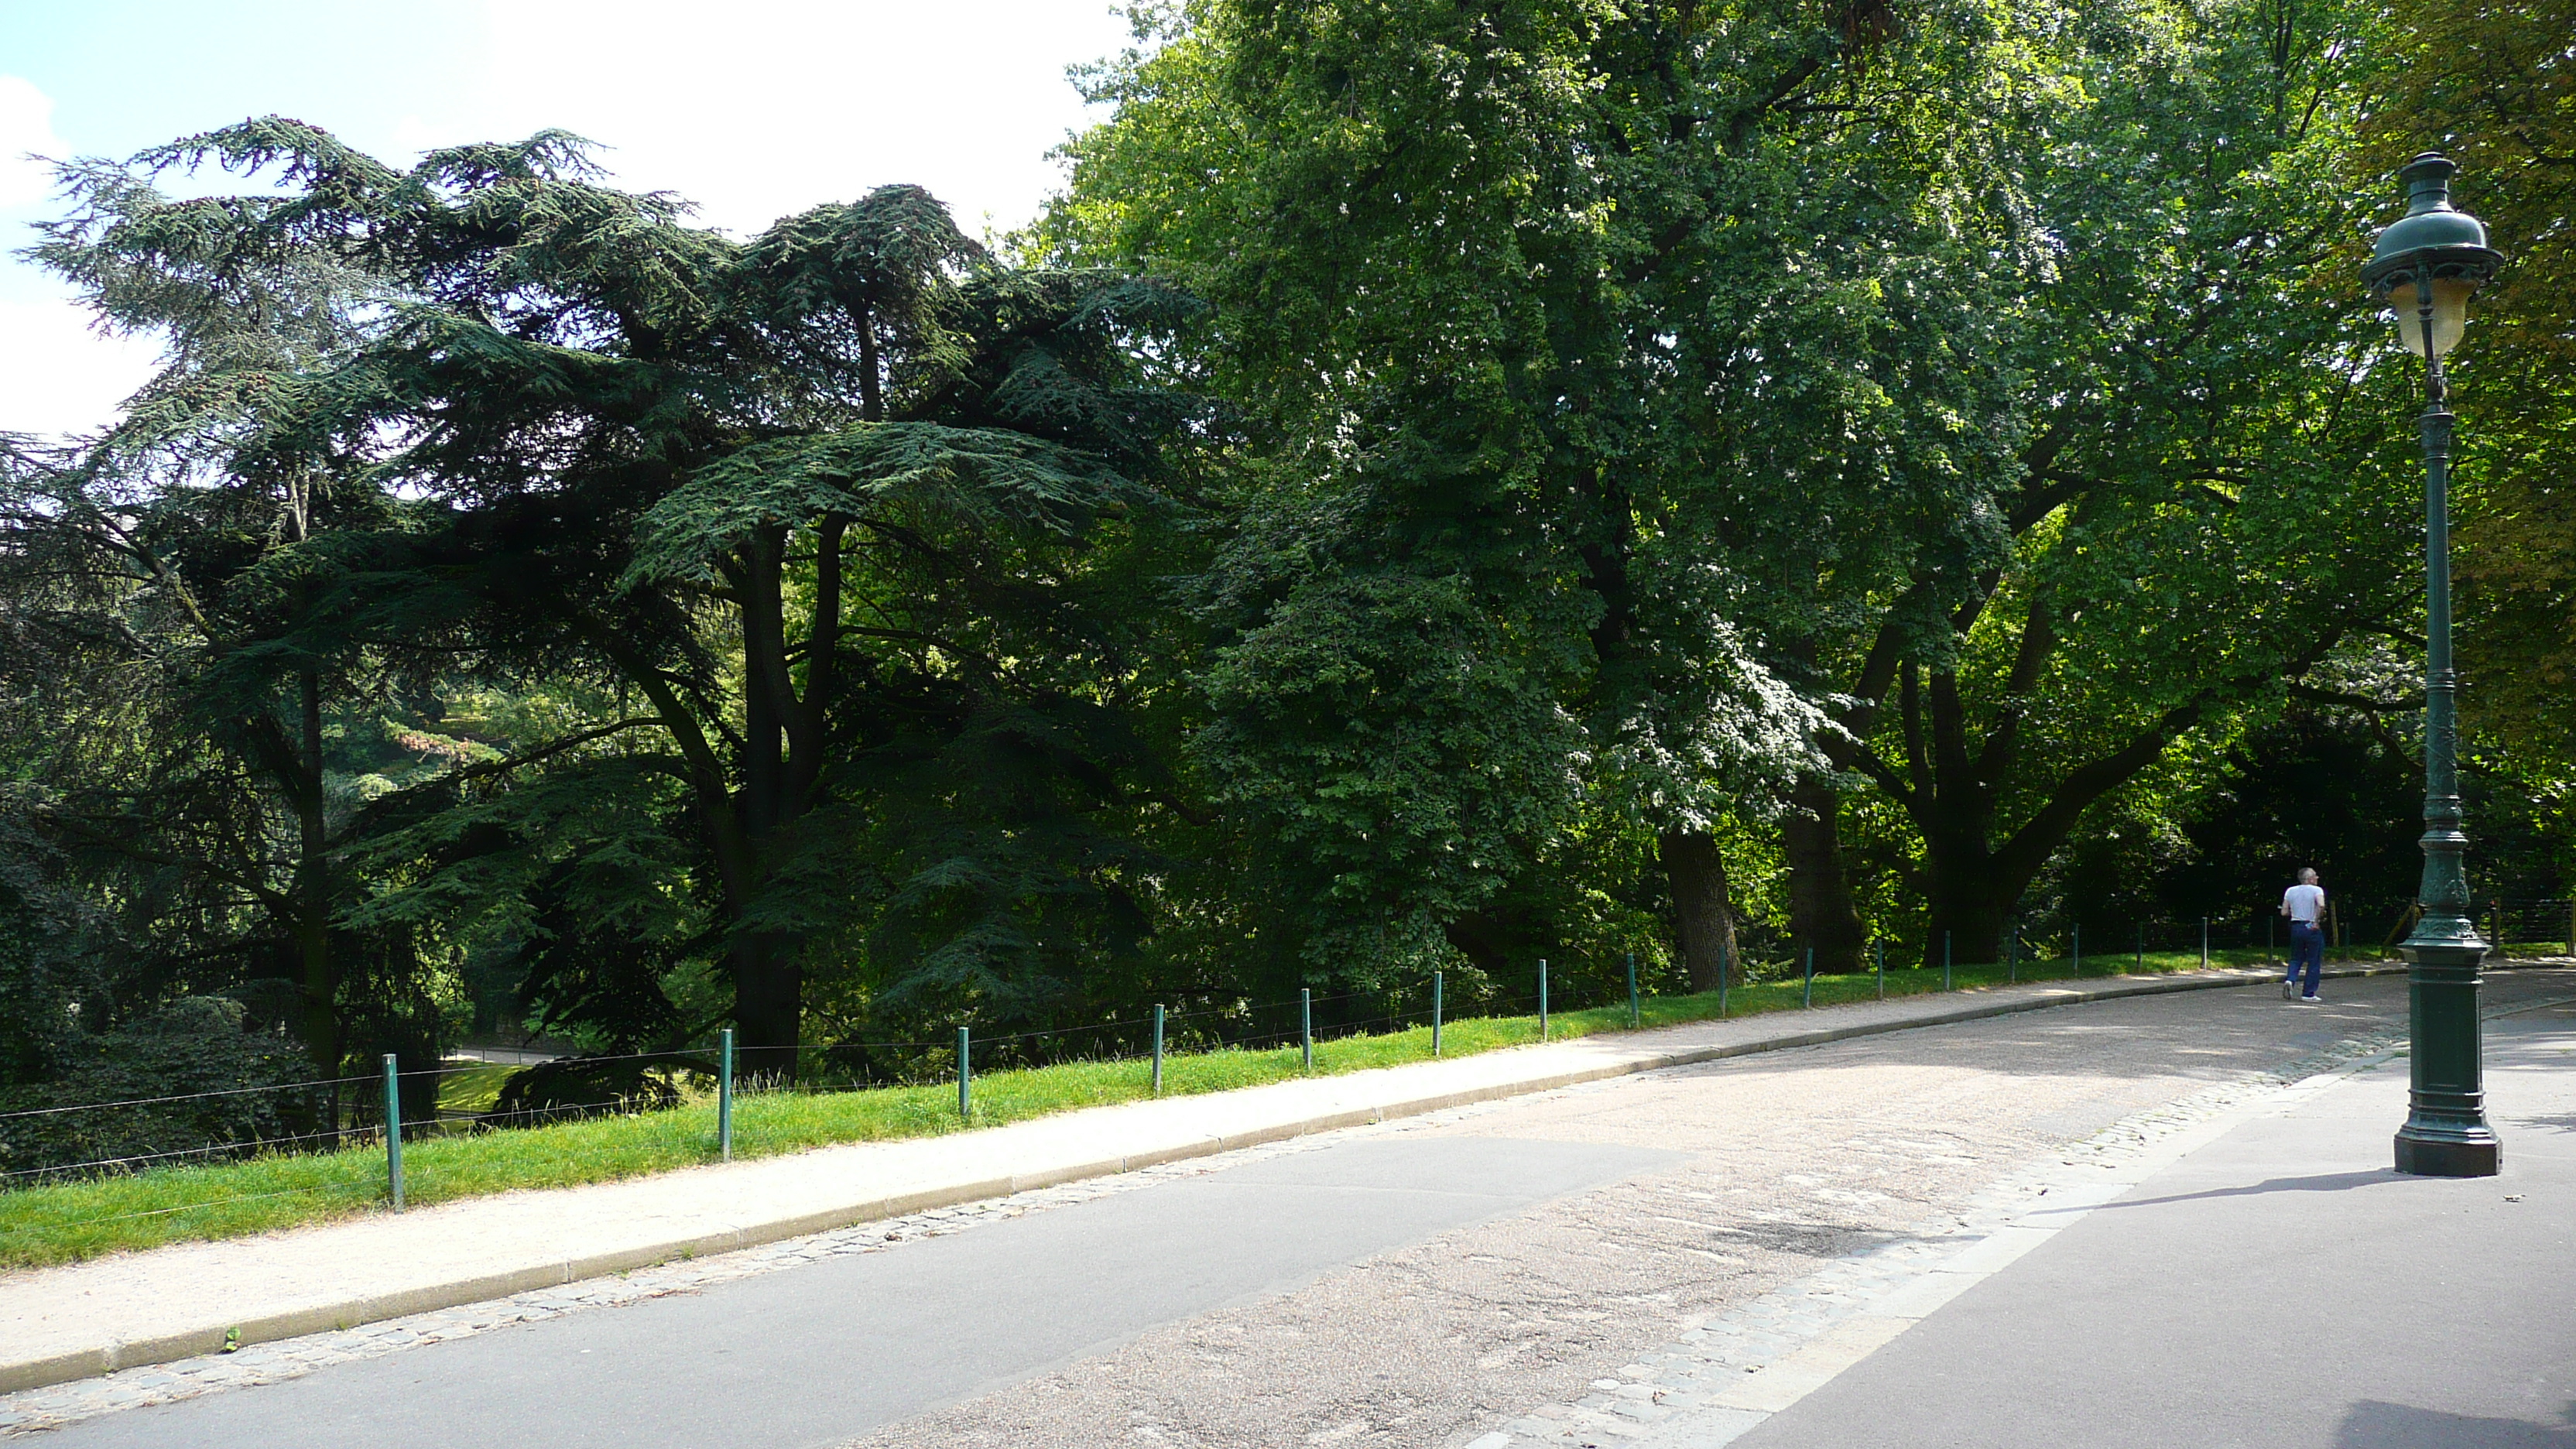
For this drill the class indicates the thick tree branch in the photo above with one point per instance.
(2341, 700)
(2021, 856)
(1950, 736)
(706, 772)
(126, 840)
(822, 657)
(2003, 742)
(1910, 705)
(1867, 761)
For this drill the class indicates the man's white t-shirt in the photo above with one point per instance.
(2305, 903)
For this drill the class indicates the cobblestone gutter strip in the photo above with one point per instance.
(1723, 1377)
(189, 1340)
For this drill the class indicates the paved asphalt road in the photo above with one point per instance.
(2281, 1288)
(841, 1347)
(1412, 1284)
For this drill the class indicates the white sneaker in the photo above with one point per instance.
(2289, 991)
(2312, 1000)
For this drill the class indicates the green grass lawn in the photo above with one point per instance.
(69, 1221)
(470, 1086)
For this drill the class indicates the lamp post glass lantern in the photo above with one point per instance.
(2423, 269)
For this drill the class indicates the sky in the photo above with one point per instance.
(752, 109)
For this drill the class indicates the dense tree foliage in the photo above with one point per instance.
(1983, 375)
(2496, 89)
(1443, 486)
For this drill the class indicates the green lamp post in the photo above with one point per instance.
(2424, 268)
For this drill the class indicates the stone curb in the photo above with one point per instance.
(211, 1338)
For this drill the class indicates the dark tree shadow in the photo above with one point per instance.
(2374, 1425)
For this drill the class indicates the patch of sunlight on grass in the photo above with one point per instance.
(470, 1086)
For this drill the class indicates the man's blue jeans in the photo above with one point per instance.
(2308, 944)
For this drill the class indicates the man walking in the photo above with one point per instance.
(2305, 905)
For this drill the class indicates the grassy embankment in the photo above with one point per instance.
(70, 1221)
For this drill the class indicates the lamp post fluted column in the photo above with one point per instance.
(2425, 267)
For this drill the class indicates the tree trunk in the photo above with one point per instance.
(312, 888)
(1696, 872)
(769, 1001)
(1969, 923)
(1952, 793)
(1974, 887)
(768, 979)
(1821, 915)
(321, 1029)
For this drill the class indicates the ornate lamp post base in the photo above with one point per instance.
(2427, 1157)
(2446, 1132)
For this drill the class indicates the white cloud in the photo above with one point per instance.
(57, 376)
(783, 104)
(26, 125)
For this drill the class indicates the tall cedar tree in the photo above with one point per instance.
(779, 490)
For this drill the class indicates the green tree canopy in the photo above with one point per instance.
(783, 529)
(1960, 374)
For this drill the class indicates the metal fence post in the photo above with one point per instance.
(2012, 954)
(2139, 966)
(2571, 928)
(724, 1096)
(1435, 1013)
(2204, 943)
(2077, 928)
(393, 1131)
(965, 1076)
(1633, 1019)
(1810, 998)
(1306, 1023)
(1945, 960)
(1158, 1048)
(1878, 958)
(1726, 968)
(1542, 998)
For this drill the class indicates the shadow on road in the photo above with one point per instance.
(2375, 1425)
(2320, 1182)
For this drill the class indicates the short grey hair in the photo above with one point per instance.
(2307, 875)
